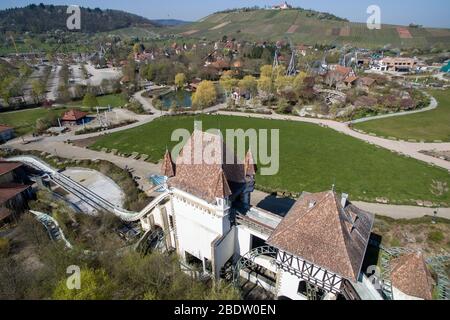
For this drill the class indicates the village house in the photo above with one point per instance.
(74, 117)
(283, 6)
(15, 191)
(316, 251)
(6, 133)
(340, 77)
(399, 64)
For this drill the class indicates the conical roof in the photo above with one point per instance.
(168, 167)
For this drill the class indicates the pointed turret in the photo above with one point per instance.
(249, 165)
(168, 167)
(222, 189)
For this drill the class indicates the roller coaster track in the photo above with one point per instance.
(86, 195)
(53, 229)
(248, 261)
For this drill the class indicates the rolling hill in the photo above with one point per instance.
(42, 18)
(302, 26)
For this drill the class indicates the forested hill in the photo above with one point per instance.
(42, 18)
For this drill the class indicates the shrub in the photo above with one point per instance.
(4, 247)
(436, 236)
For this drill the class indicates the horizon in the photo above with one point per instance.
(433, 13)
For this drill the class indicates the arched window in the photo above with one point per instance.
(302, 288)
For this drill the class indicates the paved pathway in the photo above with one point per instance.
(433, 105)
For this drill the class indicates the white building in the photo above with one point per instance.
(316, 251)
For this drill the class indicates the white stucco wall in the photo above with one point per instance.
(224, 250)
(198, 225)
(289, 282)
(399, 295)
(288, 286)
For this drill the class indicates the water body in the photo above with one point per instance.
(182, 98)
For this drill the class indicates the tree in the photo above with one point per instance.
(63, 93)
(95, 285)
(90, 100)
(279, 71)
(228, 82)
(299, 79)
(37, 90)
(282, 83)
(249, 84)
(205, 95)
(6, 95)
(266, 71)
(265, 84)
(180, 80)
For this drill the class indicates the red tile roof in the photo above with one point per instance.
(350, 79)
(74, 115)
(6, 167)
(5, 128)
(410, 274)
(168, 167)
(319, 230)
(206, 177)
(10, 190)
(344, 71)
(249, 164)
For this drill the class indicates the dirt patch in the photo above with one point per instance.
(85, 143)
(220, 25)
(293, 28)
(336, 32)
(190, 32)
(418, 234)
(345, 32)
(404, 33)
(444, 155)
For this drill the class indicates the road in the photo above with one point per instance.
(53, 83)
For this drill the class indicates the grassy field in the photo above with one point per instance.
(24, 121)
(113, 100)
(311, 159)
(429, 126)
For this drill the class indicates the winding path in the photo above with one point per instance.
(433, 105)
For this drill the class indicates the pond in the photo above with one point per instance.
(182, 98)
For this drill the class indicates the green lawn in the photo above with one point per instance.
(311, 159)
(429, 126)
(24, 121)
(113, 100)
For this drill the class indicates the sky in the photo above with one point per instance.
(430, 13)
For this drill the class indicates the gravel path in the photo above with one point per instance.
(433, 105)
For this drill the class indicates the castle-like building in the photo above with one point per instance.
(316, 251)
